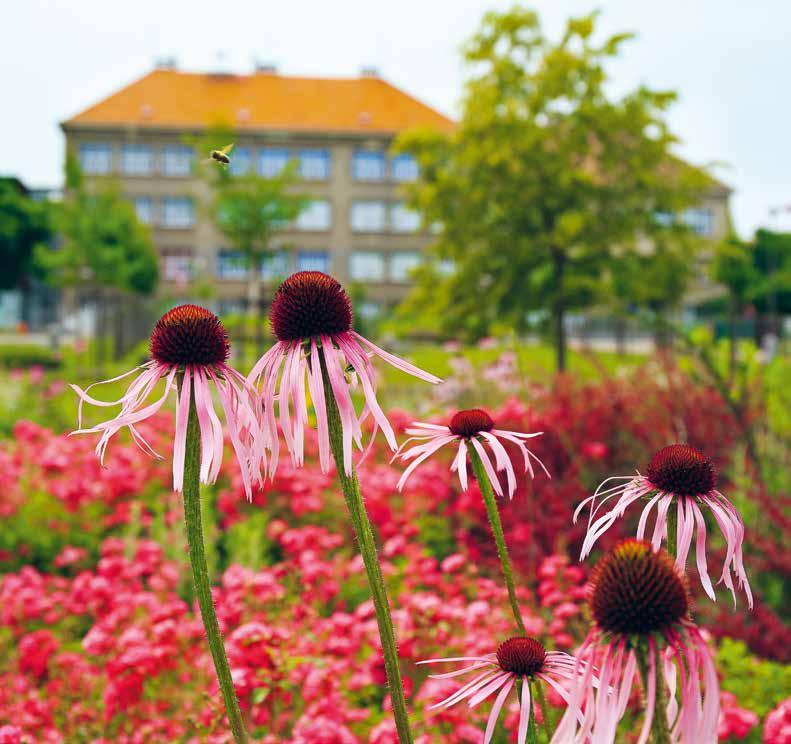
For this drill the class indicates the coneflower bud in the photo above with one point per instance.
(310, 304)
(682, 470)
(522, 656)
(471, 422)
(634, 590)
(189, 334)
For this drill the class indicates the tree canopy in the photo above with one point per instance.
(546, 181)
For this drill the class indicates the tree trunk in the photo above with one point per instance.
(559, 310)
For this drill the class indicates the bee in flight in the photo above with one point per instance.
(221, 156)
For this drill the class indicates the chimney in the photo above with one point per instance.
(165, 63)
(265, 68)
(369, 72)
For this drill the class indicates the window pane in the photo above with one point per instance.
(317, 215)
(369, 310)
(367, 266)
(137, 160)
(275, 266)
(403, 219)
(241, 161)
(404, 168)
(176, 160)
(701, 220)
(313, 261)
(271, 161)
(144, 208)
(177, 212)
(96, 158)
(368, 166)
(368, 216)
(401, 265)
(231, 265)
(314, 165)
(177, 265)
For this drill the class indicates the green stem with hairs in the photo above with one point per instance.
(367, 546)
(659, 730)
(497, 530)
(672, 526)
(200, 574)
(549, 724)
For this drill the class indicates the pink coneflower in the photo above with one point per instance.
(517, 659)
(472, 428)
(189, 349)
(682, 474)
(640, 603)
(311, 315)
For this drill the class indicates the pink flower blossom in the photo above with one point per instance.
(471, 428)
(777, 728)
(189, 350)
(518, 659)
(311, 316)
(678, 473)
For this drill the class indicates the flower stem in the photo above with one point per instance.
(200, 574)
(659, 730)
(367, 546)
(549, 726)
(497, 531)
(672, 519)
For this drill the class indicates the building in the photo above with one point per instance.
(338, 130)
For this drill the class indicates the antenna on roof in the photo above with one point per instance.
(165, 63)
(264, 68)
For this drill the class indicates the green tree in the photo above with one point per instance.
(545, 181)
(24, 224)
(772, 260)
(101, 240)
(733, 267)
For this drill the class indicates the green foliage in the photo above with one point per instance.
(27, 355)
(772, 257)
(24, 224)
(733, 267)
(759, 685)
(102, 240)
(546, 180)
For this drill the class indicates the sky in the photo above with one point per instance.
(728, 60)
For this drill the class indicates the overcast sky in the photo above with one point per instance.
(729, 61)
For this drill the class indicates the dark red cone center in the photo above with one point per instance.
(471, 422)
(683, 470)
(522, 656)
(308, 304)
(634, 590)
(189, 334)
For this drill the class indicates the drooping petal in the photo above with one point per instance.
(496, 708)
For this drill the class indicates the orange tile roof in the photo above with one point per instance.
(175, 99)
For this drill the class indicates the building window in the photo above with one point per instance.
(402, 264)
(403, 219)
(314, 165)
(272, 161)
(313, 261)
(177, 160)
(367, 266)
(177, 265)
(368, 165)
(177, 212)
(404, 168)
(369, 310)
(241, 161)
(231, 265)
(231, 307)
(144, 209)
(368, 216)
(137, 160)
(96, 158)
(275, 266)
(701, 220)
(317, 215)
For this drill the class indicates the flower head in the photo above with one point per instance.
(311, 315)
(516, 659)
(640, 604)
(470, 428)
(682, 478)
(189, 351)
